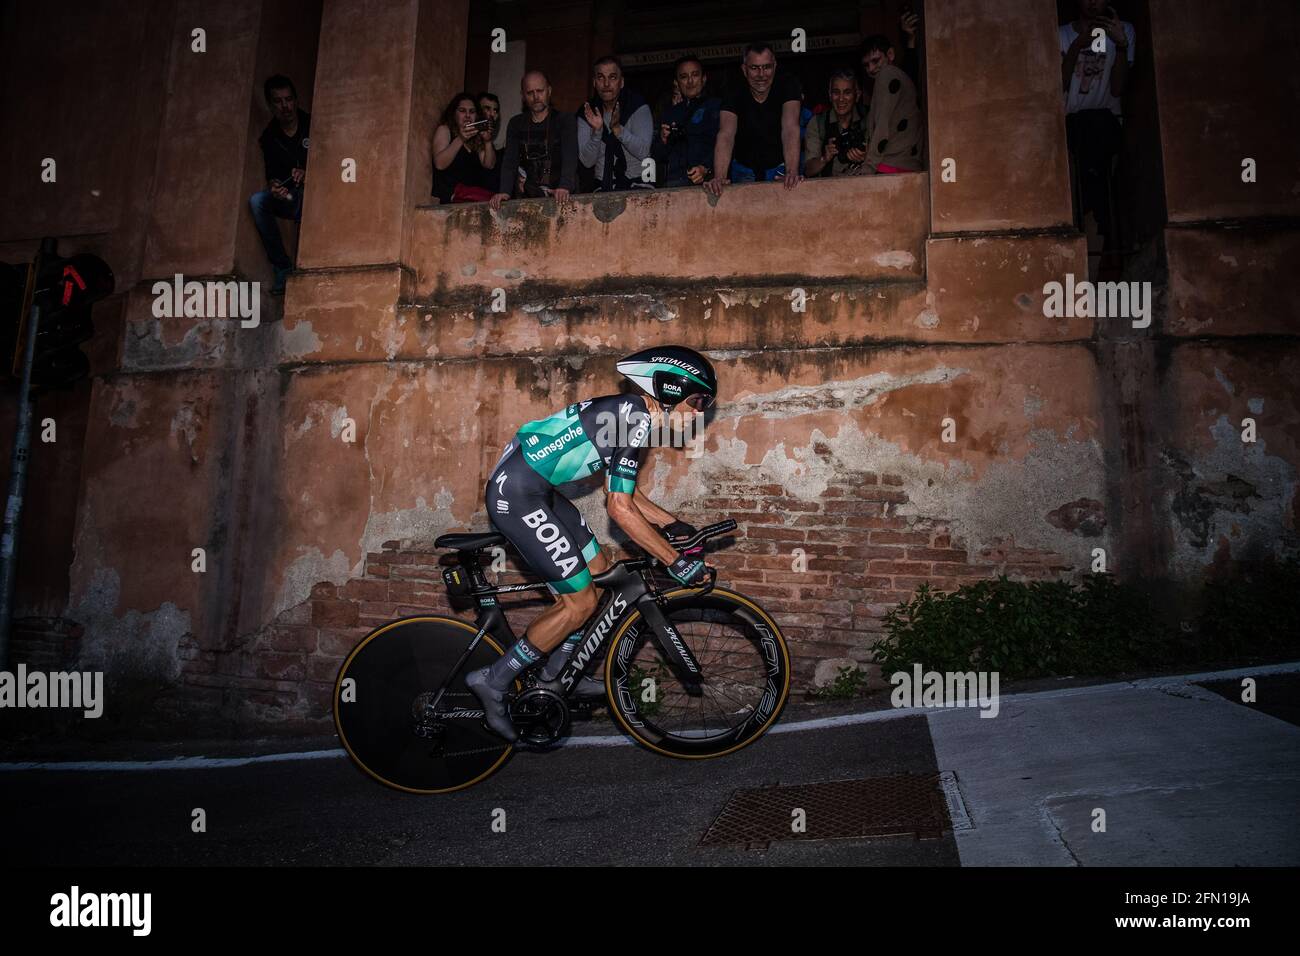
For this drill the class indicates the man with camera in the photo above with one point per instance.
(688, 128)
(835, 143)
(541, 147)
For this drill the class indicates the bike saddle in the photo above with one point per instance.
(470, 542)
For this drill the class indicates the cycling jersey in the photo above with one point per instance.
(611, 432)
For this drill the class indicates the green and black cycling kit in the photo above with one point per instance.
(609, 433)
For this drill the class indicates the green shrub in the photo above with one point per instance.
(1024, 629)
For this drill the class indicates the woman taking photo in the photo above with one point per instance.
(464, 160)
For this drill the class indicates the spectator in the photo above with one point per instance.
(464, 159)
(688, 128)
(284, 145)
(489, 108)
(1093, 83)
(666, 101)
(910, 22)
(758, 126)
(835, 144)
(894, 125)
(614, 129)
(541, 148)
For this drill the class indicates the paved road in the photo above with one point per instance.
(1185, 776)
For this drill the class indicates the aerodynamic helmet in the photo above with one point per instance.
(671, 374)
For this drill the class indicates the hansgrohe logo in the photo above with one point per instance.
(573, 432)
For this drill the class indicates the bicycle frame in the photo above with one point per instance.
(626, 588)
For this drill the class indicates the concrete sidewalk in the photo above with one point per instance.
(1184, 776)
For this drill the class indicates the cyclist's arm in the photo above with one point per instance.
(651, 511)
(622, 494)
(624, 510)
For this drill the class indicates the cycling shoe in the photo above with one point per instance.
(496, 713)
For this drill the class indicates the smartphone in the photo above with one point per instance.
(478, 125)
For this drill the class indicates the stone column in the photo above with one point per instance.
(1230, 346)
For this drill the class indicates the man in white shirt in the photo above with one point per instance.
(1096, 54)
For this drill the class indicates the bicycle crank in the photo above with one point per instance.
(540, 716)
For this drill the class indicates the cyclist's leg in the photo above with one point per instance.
(564, 564)
(552, 538)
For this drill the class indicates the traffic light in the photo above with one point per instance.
(65, 290)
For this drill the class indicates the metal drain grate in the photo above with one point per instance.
(838, 810)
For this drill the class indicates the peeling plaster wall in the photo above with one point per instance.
(796, 420)
(752, 231)
(1232, 500)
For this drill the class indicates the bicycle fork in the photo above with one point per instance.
(674, 649)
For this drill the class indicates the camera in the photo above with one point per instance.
(676, 134)
(847, 139)
(478, 125)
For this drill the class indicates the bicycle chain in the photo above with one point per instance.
(480, 750)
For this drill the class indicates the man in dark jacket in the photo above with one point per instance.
(688, 128)
(284, 145)
(541, 156)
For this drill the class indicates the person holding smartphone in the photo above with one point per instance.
(464, 159)
(1096, 55)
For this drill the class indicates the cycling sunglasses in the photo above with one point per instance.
(699, 401)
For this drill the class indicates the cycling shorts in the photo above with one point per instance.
(543, 525)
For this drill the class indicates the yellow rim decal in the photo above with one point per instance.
(776, 711)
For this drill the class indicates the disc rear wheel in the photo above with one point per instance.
(382, 699)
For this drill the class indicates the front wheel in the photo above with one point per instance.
(746, 668)
(382, 704)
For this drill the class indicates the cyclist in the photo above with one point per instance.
(610, 433)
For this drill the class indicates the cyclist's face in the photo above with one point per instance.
(699, 402)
